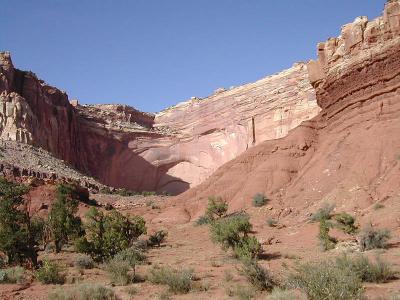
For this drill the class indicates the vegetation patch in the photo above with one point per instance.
(178, 281)
(371, 238)
(50, 273)
(259, 200)
(12, 275)
(258, 276)
(324, 213)
(83, 291)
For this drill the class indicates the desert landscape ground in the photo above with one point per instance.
(285, 188)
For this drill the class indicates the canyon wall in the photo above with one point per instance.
(349, 154)
(170, 151)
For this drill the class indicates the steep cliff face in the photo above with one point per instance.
(348, 154)
(170, 151)
(209, 132)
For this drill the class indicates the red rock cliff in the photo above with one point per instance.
(170, 151)
(350, 153)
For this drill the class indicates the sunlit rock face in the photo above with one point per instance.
(170, 151)
(349, 153)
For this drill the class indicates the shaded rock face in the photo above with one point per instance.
(349, 154)
(170, 151)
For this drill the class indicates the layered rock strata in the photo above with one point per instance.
(350, 153)
(169, 151)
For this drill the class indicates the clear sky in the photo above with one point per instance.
(152, 54)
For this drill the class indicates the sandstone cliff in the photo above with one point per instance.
(350, 153)
(170, 151)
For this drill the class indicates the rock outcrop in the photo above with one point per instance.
(169, 151)
(350, 153)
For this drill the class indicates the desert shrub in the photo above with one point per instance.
(241, 292)
(147, 193)
(346, 223)
(325, 212)
(272, 222)
(327, 242)
(248, 248)
(158, 237)
(378, 206)
(19, 235)
(131, 290)
(12, 275)
(63, 221)
(202, 220)
(325, 280)
(281, 294)
(118, 271)
(178, 281)
(229, 231)
(120, 266)
(259, 200)
(258, 276)
(84, 291)
(84, 262)
(371, 238)
(108, 234)
(216, 208)
(366, 270)
(50, 273)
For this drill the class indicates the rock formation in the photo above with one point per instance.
(169, 151)
(350, 153)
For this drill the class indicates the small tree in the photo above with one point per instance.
(216, 208)
(346, 223)
(106, 235)
(19, 233)
(63, 222)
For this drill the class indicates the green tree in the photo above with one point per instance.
(108, 234)
(19, 233)
(63, 222)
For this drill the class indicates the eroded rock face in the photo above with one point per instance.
(170, 151)
(349, 153)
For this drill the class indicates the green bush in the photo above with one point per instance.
(216, 208)
(371, 238)
(19, 235)
(158, 237)
(12, 275)
(108, 234)
(178, 281)
(258, 276)
(259, 200)
(324, 213)
(228, 232)
(84, 262)
(325, 280)
(366, 270)
(346, 223)
(248, 248)
(84, 291)
(63, 221)
(272, 222)
(50, 273)
(327, 242)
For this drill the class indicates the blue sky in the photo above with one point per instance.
(153, 54)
